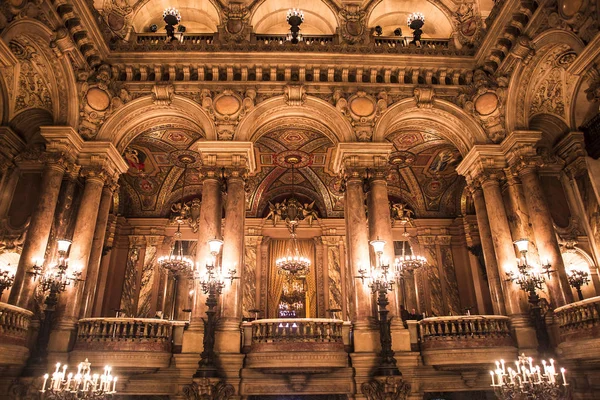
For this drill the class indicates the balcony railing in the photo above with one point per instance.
(404, 41)
(296, 344)
(156, 38)
(443, 339)
(14, 324)
(119, 341)
(579, 320)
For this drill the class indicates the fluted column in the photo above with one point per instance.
(380, 226)
(38, 233)
(545, 236)
(358, 243)
(91, 282)
(233, 246)
(208, 228)
(489, 254)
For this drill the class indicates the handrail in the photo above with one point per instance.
(461, 327)
(125, 329)
(14, 321)
(318, 330)
(578, 316)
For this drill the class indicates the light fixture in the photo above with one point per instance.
(528, 381)
(295, 18)
(176, 262)
(292, 264)
(171, 16)
(212, 281)
(408, 263)
(577, 279)
(6, 279)
(82, 385)
(531, 279)
(381, 282)
(378, 30)
(416, 20)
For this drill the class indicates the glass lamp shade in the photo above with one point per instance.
(63, 245)
(215, 246)
(378, 245)
(522, 245)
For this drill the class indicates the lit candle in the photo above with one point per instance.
(562, 372)
(57, 367)
(114, 385)
(518, 367)
(492, 375)
(503, 368)
(45, 381)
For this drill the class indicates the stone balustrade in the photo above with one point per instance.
(123, 342)
(466, 340)
(579, 329)
(15, 323)
(296, 344)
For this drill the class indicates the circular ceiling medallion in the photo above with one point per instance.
(98, 99)
(486, 103)
(185, 159)
(402, 159)
(148, 186)
(362, 106)
(296, 158)
(227, 105)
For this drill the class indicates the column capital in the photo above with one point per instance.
(359, 156)
(62, 139)
(520, 145)
(482, 162)
(571, 149)
(227, 154)
(427, 240)
(102, 156)
(10, 143)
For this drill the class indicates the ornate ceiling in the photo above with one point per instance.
(423, 172)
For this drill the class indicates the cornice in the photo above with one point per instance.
(587, 57)
(88, 20)
(493, 32)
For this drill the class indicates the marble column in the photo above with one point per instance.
(503, 242)
(83, 235)
(380, 227)
(233, 245)
(366, 338)
(10, 179)
(489, 254)
(545, 236)
(209, 228)
(91, 282)
(38, 233)
(519, 221)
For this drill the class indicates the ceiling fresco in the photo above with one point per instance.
(152, 182)
(424, 173)
(273, 181)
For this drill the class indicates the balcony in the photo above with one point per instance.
(466, 342)
(128, 343)
(14, 329)
(579, 330)
(295, 345)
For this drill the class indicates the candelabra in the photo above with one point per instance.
(577, 279)
(381, 281)
(82, 385)
(212, 283)
(6, 280)
(528, 381)
(530, 281)
(53, 282)
(171, 17)
(415, 21)
(295, 18)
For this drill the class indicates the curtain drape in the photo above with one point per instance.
(277, 248)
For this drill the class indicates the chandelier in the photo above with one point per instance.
(577, 279)
(416, 20)
(527, 276)
(292, 264)
(6, 279)
(171, 16)
(82, 385)
(176, 262)
(379, 278)
(56, 279)
(295, 18)
(528, 381)
(408, 263)
(213, 278)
